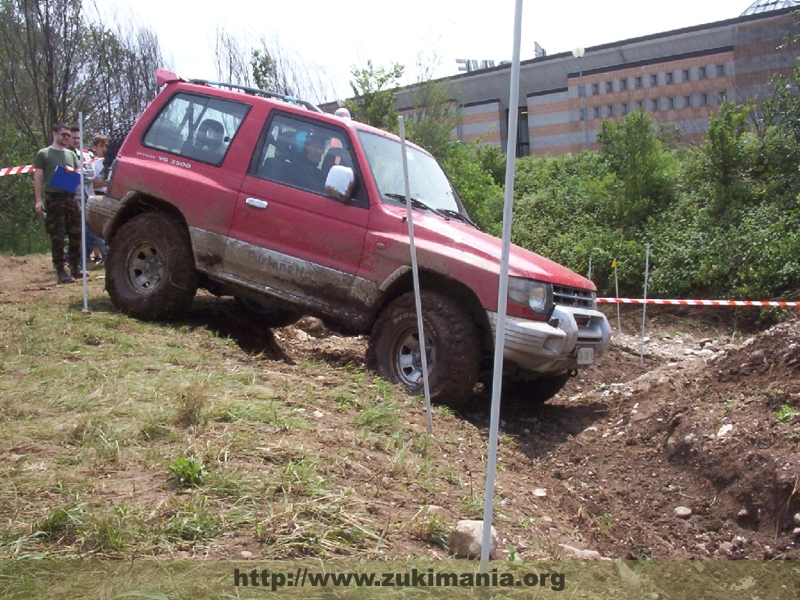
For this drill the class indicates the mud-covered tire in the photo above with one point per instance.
(268, 316)
(534, 391)
(150, 272)
(452, 347)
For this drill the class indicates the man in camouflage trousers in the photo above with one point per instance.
(62, 209)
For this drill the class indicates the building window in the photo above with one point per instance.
(597, 114)
(654, 104)
(670, 77)
(609, 87)
(595, 89)
(670, 102)
(686, 76)
(640, 104)
(702, 73)
(703, 99)
(720, 70)
(610, 110)
(623, 85)
(687, 101)
(638, 82)
(653, 80)
(723, 96)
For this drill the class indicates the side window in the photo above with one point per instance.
(300, 153)
(196, 127)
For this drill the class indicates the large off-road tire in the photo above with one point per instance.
(451, 340)
(150, 272)
(534, 391)
(268, 316)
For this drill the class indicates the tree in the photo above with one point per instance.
(267, 65)
(374, 91)
(435, 113)
(642, 166)
(55, 64)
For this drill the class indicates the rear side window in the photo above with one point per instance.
(196, 127)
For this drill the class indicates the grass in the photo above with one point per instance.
(786, 413)
(127, 438)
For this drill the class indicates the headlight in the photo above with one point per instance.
(536, 295)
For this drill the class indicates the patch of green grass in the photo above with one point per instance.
(188, 472)
(64, 522)
(605, 523)
(297, 477)
(193, 522)
(381, 417)
(786, 413)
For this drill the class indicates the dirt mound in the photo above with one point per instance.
(718, 436)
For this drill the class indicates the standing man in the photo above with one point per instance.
(62, 210)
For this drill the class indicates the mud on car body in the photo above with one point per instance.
(296, 212)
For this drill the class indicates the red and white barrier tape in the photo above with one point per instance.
(15, 170)
(28, 168)
(699, 302)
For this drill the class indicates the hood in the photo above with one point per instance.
(487, 249)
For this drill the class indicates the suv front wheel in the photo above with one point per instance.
(150, 272)
(451, 343)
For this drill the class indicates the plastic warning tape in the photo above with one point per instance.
(28, 168)
(15, 170)
(699, 302)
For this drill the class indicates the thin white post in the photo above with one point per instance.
(83, 220)
(502, 292)
(644, 306)
(415, 273)
(616, 287)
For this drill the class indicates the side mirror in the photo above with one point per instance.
(340, 183)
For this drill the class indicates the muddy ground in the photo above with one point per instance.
(684, 420)
(686, 445)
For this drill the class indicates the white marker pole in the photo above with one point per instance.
(502, 293)
(415, 273)
(644, 307)
(83, 220)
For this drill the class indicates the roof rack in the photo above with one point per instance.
(258, 92)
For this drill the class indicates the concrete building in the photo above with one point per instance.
(678, 77)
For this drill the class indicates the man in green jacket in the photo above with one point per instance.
(60, 206)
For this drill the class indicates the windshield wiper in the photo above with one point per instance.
(459, 216)
(420, 204)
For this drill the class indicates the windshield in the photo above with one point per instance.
(428, 183)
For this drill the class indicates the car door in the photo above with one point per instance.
(288, 236)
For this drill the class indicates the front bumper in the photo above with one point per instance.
(573, 338)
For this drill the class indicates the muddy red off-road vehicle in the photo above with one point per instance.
(297, 212)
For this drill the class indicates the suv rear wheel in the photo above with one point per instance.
(451, 343)
(150, 272)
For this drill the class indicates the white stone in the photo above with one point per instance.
(581, 554)
(682, 512)
(797, 518)
(724, 430)
(540, 492)
(466, 540)
(246, 554)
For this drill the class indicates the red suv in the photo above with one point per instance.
(297, 212)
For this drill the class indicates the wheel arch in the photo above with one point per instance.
(445, 286)
(137, 204)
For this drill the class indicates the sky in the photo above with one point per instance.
(335, 37)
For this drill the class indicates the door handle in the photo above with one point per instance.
(256, 203)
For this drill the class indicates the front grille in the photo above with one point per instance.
(567, 296)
